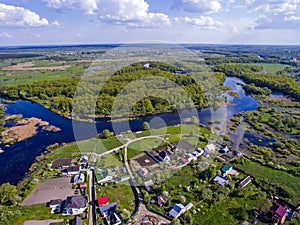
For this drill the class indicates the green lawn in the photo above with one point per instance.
(92, 145)
(269, 177)
(35, 212)
(140, 146)
(120, 193)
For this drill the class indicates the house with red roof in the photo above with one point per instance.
(279, 213)
(103, 200)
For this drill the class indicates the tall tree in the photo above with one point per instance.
(7, 193)
(146, 126)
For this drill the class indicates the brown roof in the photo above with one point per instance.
(59, 163)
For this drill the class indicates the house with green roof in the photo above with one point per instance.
(226, 169)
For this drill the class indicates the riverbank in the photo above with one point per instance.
(25, 128)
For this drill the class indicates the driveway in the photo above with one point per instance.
(51, 189)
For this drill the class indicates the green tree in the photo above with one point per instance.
(207, 195)
(211, 172)
(125, 214)
(165, 194)
(194, 120)
(106, 134)
(182, 199)
(146, 126)
(7, 193)
(175, 221)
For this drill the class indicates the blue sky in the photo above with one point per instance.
(35, 22)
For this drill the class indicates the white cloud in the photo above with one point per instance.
(234, 29)
(206, 22)
(273, 14)
(291, 18)
(131, 12)
(5, 34)
(87, 6)
(278, 22)
(12, 16)
(55, 23)
(198, 6)
(273, 6)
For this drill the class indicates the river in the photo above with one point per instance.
(16, 159)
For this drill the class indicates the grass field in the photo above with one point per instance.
(221, 214)
(265, 175)
(140, 146)
(36, 212)
(91, 145)
(14, 78)
(120, 193)
(272, 68)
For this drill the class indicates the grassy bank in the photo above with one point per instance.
(281, 183)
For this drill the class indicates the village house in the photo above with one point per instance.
(74, 205)
(55, 203)
(164, 157)
(55, 206)
(149, 185)
(278, 213)
(179, 209)
(107, 211)
(71, 171)
(221, 180)
(226, 169)
(61, 164)
(143, 172)
(79, 178)
(184, 160)
(161, 200)
(198, 152)
(224, 150)
(209, 149)
(103, 200)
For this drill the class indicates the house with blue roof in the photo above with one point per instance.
(104, 209)
(107, 211)
(177, 210)
(221, 180)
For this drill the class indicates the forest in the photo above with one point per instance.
(251, 73)
(134, 89)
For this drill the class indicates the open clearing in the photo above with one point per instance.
(51, 189)
(28, 66)
(42, 222)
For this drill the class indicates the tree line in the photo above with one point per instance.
(250, 74)
(136, 88)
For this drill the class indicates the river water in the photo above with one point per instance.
(16, 159)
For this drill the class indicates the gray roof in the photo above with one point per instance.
(59, 163)
(73, 169)
(75, 202)
(55, 202)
